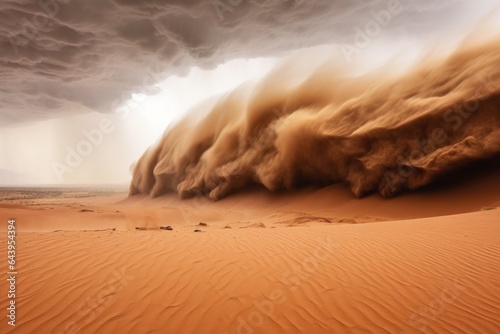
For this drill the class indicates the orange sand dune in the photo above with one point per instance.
(435, 275)
(300, 262)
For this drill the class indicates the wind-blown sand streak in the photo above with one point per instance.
(376, 132)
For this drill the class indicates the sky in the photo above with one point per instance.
(87, 86)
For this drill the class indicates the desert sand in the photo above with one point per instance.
(353, 188)
(316, 260)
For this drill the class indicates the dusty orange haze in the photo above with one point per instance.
(378, 132)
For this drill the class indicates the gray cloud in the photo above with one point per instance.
(69, 56)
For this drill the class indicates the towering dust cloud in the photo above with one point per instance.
(373, 133)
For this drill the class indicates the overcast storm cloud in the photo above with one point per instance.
(68, 56)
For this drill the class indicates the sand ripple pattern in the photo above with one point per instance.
(422, 276)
